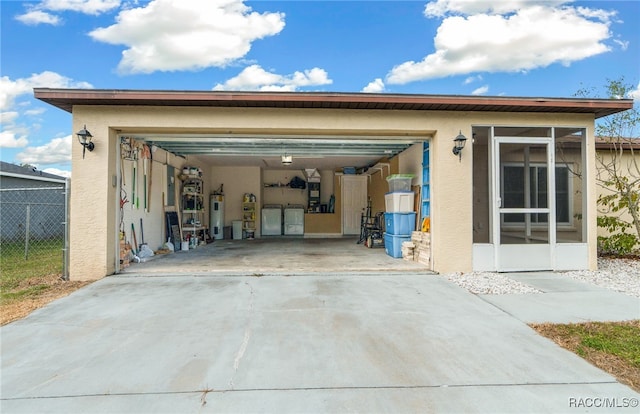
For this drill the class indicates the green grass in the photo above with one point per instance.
(611, 346)
(31, 291)
(621, 340)
(44, 258)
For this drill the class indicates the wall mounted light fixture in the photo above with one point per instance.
(84, 137)
(459, 142)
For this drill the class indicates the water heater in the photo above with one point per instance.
(216, 214)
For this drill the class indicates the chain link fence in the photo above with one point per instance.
(33, 226)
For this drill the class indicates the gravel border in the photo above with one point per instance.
(620, 275)
(488, 283)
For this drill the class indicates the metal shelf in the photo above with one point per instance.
(378, 167)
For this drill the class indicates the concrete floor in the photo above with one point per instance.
(277, 255)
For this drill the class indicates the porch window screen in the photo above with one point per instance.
(514, 196)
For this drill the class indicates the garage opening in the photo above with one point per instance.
(242, 200)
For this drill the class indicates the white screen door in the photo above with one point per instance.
(524, 222)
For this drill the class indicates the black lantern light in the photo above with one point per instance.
(459, 142)
(84, 137)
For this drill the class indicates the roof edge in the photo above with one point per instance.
(66, 98)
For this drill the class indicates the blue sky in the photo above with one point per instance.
(549, 48)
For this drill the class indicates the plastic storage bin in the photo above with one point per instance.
(393, 244)
(400, 223)
(399, 202)
(399, 182)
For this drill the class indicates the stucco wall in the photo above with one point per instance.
(238, 181)
(283, 195)
(93, 209)
(627, 164)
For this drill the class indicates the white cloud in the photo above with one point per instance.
(14, 134)
(441, 8)
(255, 78)
(624, 45)
(481, 90)
(375, 86)
(9, 117)
(167, 35)
(472, 79)
(530, 35)
(598, 14)
(11, 89)
(36, 17)
(40, 13)
(93, 7)
(34, 112)
(635, 94)
(56, 171)
(8, 139)
(57, 151)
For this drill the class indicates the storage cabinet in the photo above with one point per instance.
(314, 197)
(249, 219)
(193, 225)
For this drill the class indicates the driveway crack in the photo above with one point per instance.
(247, 335)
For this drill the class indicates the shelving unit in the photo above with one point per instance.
(193, 207)
(378, 167)
(314, 196)
(249, 219)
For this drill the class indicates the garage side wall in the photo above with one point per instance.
(92, 202)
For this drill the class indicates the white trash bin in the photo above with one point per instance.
(237, 229)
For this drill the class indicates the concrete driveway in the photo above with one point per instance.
(316, 343)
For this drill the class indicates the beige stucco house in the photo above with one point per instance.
(494, 206)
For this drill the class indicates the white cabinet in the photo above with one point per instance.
(294, 221)
(271, 220)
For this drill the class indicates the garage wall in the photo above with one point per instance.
(326, 185)
(410, 162)
(132, 212)
(378, 186)
(237, 181)
(283, 195)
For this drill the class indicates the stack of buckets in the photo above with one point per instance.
(399, 217)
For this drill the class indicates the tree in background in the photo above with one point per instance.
(618, 173)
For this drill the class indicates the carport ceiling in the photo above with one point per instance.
(308, 151)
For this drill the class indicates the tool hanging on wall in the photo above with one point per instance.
(150, 177)
(145, 155)
(133, 185)
(137, 152)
